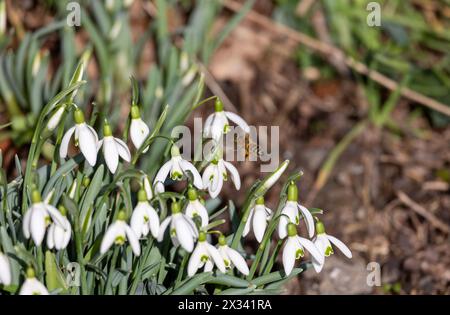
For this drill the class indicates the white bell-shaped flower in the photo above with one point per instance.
(39, 216)
(112, 148)
(291, 213)
(58, 237)
(139, 130)
(294, 249)
(144, 219)
(205, 255)
(231, 257)
(323, 243)
(5, 270)
(147, 187)
(32, 286)
(177, 167)
(118, 233)
(85, 137)
(182, 229)
(257, 220)
(216, 173)
(196, 208)
(217, 123)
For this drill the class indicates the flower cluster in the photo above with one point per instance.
(188, 225)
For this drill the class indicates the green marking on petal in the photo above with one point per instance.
(173, 232)
(297, 220)
(204, 258)
(176, 175)
(226, 128)
(329, 251)
(120, 240)
(299, 253)
(227, 263)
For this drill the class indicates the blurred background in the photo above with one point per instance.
(362, 107)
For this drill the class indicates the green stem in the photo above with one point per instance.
(138, 273)
(80, 259)
(112, 267)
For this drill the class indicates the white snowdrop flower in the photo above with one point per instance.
(139, 130)
(257, 219)
(5, 270)
(144, 219)
(294, 249)
(55, 118)
(217, 124)
(39, 216)
(112, 149)
(118, 233)
(58, 237)
(231, 257)
(205, 255)
(159, 188)
(291, 213)
(269, 182)
(32, 286)
(176, 167)
(85, 137)
(182, 229)
(196, 208)
(216, 173)
(323, 243)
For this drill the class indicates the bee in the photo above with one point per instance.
(250, 146)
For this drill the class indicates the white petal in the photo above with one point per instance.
(208, 266)
(110, 236)
(216, 184)
(110, 153)
(123, 150)
(196, 208)
(56, 216)
(137, 220)
(282, 226)
(259, 222)
(99, 145)
(238, 261)
(248, 223)
(163, 172)
(312, 249)
(289, 255)
(32, 286)
(133, 240)
(234, 174)
(37, 225)
(153, 221)
(207, 128)
(187, 166)
(65, 143)
(207, 173)
(88, 143)
(162, 228)
(139, 131)
(238, 121)
(67, 235)
(59, 237)
(322, 243)
(215, 255)
(192, 226)
(5, 270)
(50, 237)
(317, 266)
(194, 261)
(148, 187)
(308, 219)
(339, 244)
(26, 223)
(184, 234)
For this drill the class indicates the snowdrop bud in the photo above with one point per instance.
(269, 182)
(184, 61)
(73, 190)
(55, 118)
(36, 63)
(292, 192)
(2, 17)
(189, 76)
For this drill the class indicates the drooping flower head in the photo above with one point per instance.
(118, 233)
(292, 211)
(205, 255)
(5, 270)
(257, 219)
(195, 208)
(231, 257)
(294, 249)
(323, 243)
(139, 130)
(112, 148)
(39, 216)
(144, 219)
(32, 286)
(85, 137)
(176, 168)
(216, 173)
(58, 237)
(182, 229)
(217, 123)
